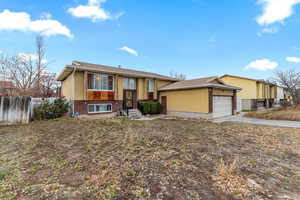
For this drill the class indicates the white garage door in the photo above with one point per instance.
(222, 106)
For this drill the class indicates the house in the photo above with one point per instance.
(7, 88)
(255, 94)
(206, 98)
(280, 95)
(95, 89)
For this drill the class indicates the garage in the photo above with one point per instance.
(199, 98)
(222, 106)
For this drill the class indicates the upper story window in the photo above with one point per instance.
(150, 86)
(129, 83)
(100, 82)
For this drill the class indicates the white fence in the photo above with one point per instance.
(15, 110)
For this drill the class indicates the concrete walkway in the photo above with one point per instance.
(239, 118)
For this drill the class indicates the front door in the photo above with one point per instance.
(164, 107)
(129, 99)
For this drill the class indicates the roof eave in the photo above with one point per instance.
(226, 87)
(92, 69)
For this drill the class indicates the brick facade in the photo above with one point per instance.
(81, 107)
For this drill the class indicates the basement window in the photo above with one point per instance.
(99, 108)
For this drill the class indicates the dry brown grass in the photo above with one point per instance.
(160, 159)
(291, 114)
(229, 181)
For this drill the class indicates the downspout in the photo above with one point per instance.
(74, 91)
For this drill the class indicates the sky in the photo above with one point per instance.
(198, 38)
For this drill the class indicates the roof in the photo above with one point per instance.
(82, 66)
(6, 84)
(212, 81)
(251, 79)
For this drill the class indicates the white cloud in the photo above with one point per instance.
(270, 30)
(93, 10)
(129, 50)
(263, 65)
(46, 15)
(293, 59)
(31, 57)
(275, 11)
(21, 21)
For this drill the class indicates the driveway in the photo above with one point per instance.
(241, 119)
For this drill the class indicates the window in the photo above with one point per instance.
(100, 82)
(150, 85)
(129, 83)
(99, 108)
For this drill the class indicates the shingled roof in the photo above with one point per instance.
(83, 66)
(213, 82)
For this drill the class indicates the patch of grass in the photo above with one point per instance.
(3, 174)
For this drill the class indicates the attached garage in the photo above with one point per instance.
(199, 98)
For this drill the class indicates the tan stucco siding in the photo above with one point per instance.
(249, 88)
(273, 92)
(193, 100)
(141, 85)
(79, 85)
(259, 90)
(119, 87)
(219, 92)
(159, 84)
(67, 88)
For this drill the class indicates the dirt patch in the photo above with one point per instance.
(158, 159)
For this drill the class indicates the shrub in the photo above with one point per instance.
(47, 110)
(150, 107)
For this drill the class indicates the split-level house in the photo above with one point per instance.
(255, 93)
(99, 89)
(95, 89)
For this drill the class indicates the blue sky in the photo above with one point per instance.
(199, 38)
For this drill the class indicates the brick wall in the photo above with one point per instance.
(82, 106)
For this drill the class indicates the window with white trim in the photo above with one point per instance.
(150, 84)
(99, 108)
(129, 83)
(100, 82)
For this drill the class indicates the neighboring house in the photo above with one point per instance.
(255, 94)
(280, 95)
(201, 98)
(7, 88)
(95, 89)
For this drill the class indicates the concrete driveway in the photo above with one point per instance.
(241, 119)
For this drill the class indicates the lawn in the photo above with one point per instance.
(159, 159)
(290, 113)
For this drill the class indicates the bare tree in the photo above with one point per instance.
(178, 76)
(40, 52)
(29, 77)
(290, 79)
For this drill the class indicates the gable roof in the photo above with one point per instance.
(82, 66)
(212, 81)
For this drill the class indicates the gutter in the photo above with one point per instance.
(74, 90)
(202, 86)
